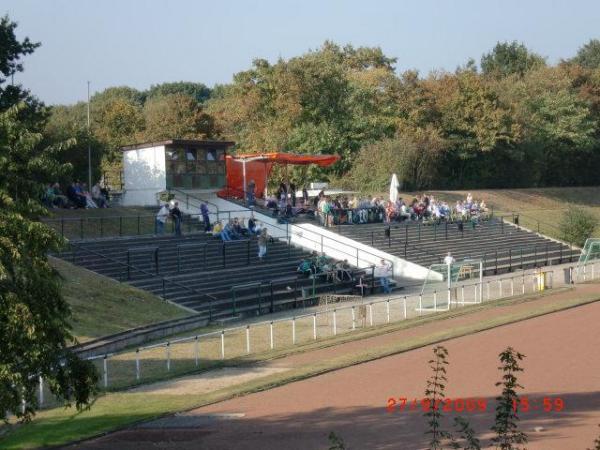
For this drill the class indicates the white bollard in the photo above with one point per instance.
(315, 326)
(223, 344)
(271, 334)
(420, 303)
(41, 391)
(512, 287)
(168, 351)
(105, 371)
(435, 300)
(334, 323)
(293, 330)
(371, 314)
(387, 310)
(248, 339)
(137, 363)
(405, 315)
(353, 318)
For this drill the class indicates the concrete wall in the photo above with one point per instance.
(144, 175)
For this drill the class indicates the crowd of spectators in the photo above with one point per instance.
(425, 208)
(319, 264)
(75, 196)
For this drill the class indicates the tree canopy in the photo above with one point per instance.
(517, 122)
(34, 318)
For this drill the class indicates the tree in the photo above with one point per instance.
(510, 58)
(175, 116)
(198, 91)
(577, 225)
(412, 155)
(506, 422)
(588, 56)
(33, 314)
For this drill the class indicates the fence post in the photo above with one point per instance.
(404, 308)
(353, 318)
(137, 364)
(315, 326)
(168, 351)
(334, 323)
(41, 391)
(271, 334)
(293, 330)
(523, 284)
(248, 339)
(223, 344)
(387, 310)
(371, 314)
(196, 350)
(435, 301)
(105, 371)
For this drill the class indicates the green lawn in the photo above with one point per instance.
(103, 306)
(115, 410)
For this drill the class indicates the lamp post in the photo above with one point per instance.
(89, 138)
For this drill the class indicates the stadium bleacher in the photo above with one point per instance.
(502, 246)
(202, 273)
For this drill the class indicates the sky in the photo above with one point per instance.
(138, 43)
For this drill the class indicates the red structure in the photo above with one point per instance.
(241, 169)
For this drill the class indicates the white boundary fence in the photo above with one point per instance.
(185, 354)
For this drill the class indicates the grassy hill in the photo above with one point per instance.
(540, 208)
(103, 306)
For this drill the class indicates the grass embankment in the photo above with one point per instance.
(543, 205)
(103, 306)
(116, 410)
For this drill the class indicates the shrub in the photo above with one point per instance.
(577, 225)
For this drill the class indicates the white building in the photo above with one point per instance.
(173, 164)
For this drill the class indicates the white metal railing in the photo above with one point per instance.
(188, 353)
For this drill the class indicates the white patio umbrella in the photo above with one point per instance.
(394, 188)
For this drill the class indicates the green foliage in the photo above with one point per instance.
(588, 56)
(434, 394)
(412, 156)
(197, 91)
(510, 58)
(33, 315)
(577, 225)
(467, 435)
(506, 422)
(336, 442)
(175, 116)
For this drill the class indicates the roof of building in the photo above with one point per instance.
(180, 142)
